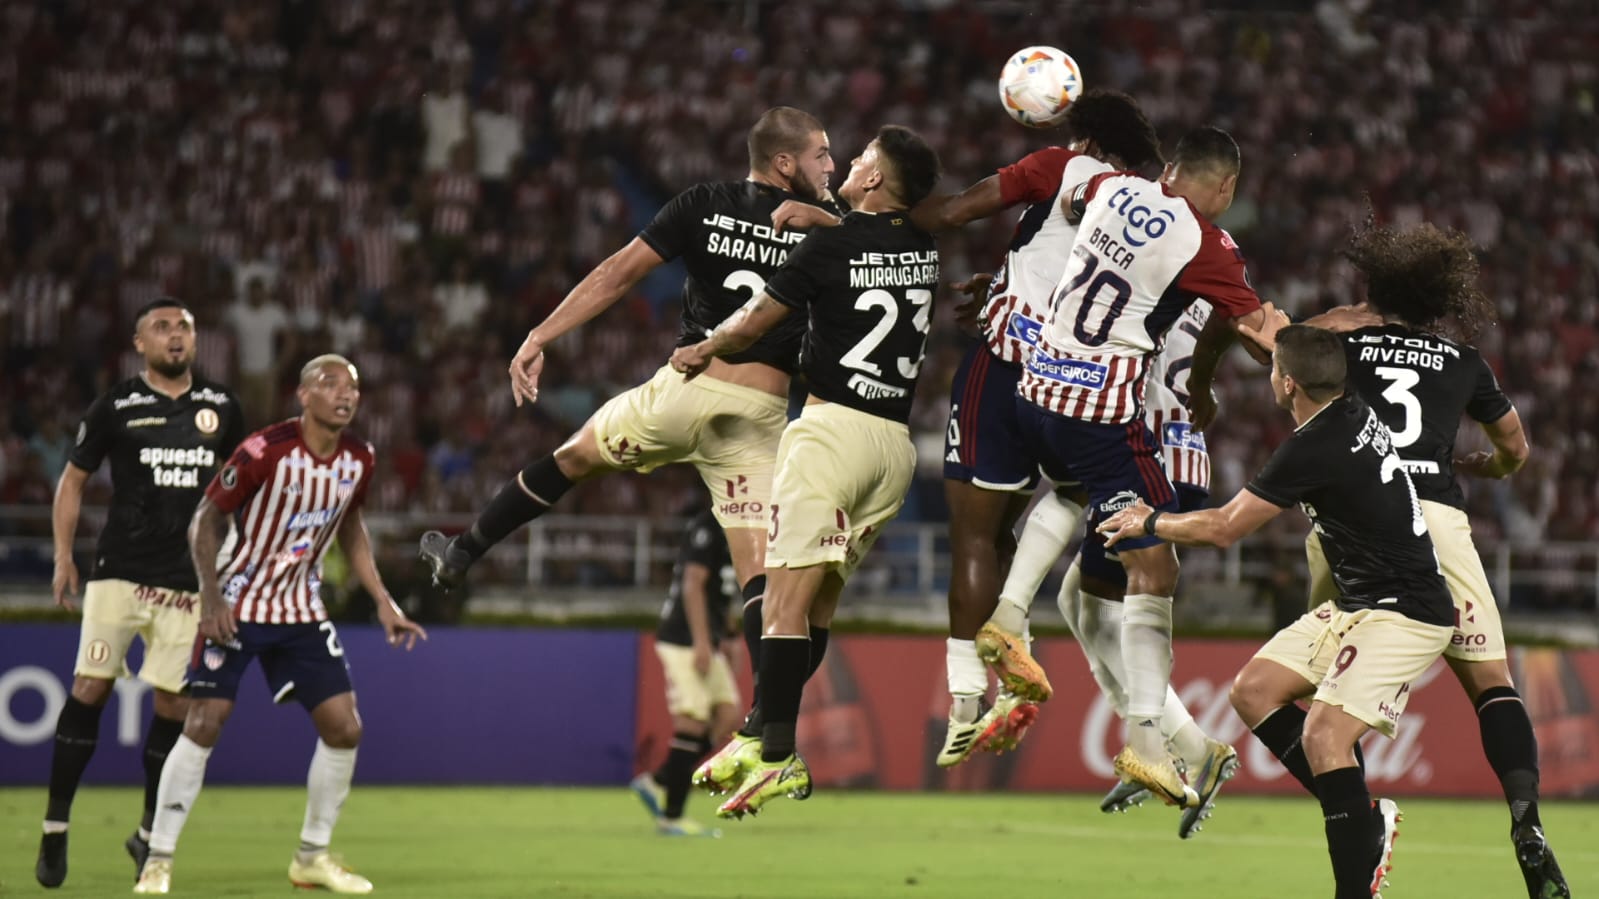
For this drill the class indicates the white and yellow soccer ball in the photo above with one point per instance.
(1038, 84)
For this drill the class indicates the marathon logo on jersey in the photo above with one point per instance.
(1143, 223)
(134, 399)
(149, 422)
(748, 241)
(313, 519)
(1074, 372)
(869, 389)
(1182, 435)
(173, 467)
(1027, 330)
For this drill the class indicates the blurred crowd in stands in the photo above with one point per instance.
(416, 182)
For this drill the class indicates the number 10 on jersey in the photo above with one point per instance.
(1121, 294)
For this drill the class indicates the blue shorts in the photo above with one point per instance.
(983, 445)
(1117, 464)
(303, 662)
(1097, 561)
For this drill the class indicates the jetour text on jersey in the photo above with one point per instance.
(910, 268)
(760, 244)
(173, 467)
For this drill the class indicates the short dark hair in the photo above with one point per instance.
(163, 302)
(1114, 121)
(1314, 358)
(781, 129)
(1424, 275)
(1209, 147)
(912, 162)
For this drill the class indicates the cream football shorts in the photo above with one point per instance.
(114, 611)
(726, 431)
(690, 693)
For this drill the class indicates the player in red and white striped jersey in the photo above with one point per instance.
(292, 488)
(1144, 252)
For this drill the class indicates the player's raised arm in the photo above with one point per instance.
(597, 292)
(945, 211)
(64, 527)
(736, 333)
(357, 543)
(207, 530)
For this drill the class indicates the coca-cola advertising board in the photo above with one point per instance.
(874, 717)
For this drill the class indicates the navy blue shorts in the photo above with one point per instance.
(1117, 464)
(983, 444)
(303, 662)
(1097, 561)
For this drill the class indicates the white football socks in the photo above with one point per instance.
(1101, 622)
(326, 787)
(1147, 658)
(1045, 535)
(967, 678)
(182, 776)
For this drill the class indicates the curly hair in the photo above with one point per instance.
(1113, 120)
(1424, 275)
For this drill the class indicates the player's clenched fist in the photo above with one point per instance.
(691, 360)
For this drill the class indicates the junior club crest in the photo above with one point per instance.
(213, 657)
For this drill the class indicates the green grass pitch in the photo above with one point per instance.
(494, 842)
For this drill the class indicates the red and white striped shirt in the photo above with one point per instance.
(290, 504)
(1018, 299)
(1142, 255)
(1166, 402)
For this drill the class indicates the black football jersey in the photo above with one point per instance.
(1340, 467)
(163, 453)
(867, 289)
(723, 232)
(704, 543)
(1419, 385)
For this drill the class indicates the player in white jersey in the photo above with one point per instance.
(293, 488)
(1145, 251)
(1094, 618)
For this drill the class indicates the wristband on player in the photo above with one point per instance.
(1149, 523)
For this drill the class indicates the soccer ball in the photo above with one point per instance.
(1038, 84)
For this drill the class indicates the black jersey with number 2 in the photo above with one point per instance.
(723, 232)
(1420, 384)
(703, 544)
(867, 286)
(163, 453)
(1340, 468)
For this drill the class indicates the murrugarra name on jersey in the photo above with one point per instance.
(748, 241)
(177, 467)
(1417, 352)
(908, 269)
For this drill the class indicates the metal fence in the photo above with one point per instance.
(565, 566)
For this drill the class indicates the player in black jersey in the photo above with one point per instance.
(700, 691)
(1420, 284)
(726, 424)
(166, 432)
(844, 465)
(1393, 616)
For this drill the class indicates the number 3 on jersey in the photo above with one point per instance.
(859, 356)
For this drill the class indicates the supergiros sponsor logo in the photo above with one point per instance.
(172, 467)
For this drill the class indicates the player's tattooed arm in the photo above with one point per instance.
(735, 334)
(207, 530)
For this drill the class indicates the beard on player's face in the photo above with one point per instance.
(803, 185)
(168, 365)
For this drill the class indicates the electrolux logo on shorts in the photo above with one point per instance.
(1027, 330)
(177, 467)
(1141, 220)
(1126, 499)
(1076, 372)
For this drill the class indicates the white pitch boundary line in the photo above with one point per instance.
(1261, 841)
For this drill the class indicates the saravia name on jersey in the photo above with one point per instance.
(754, 243)
(177, 467)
